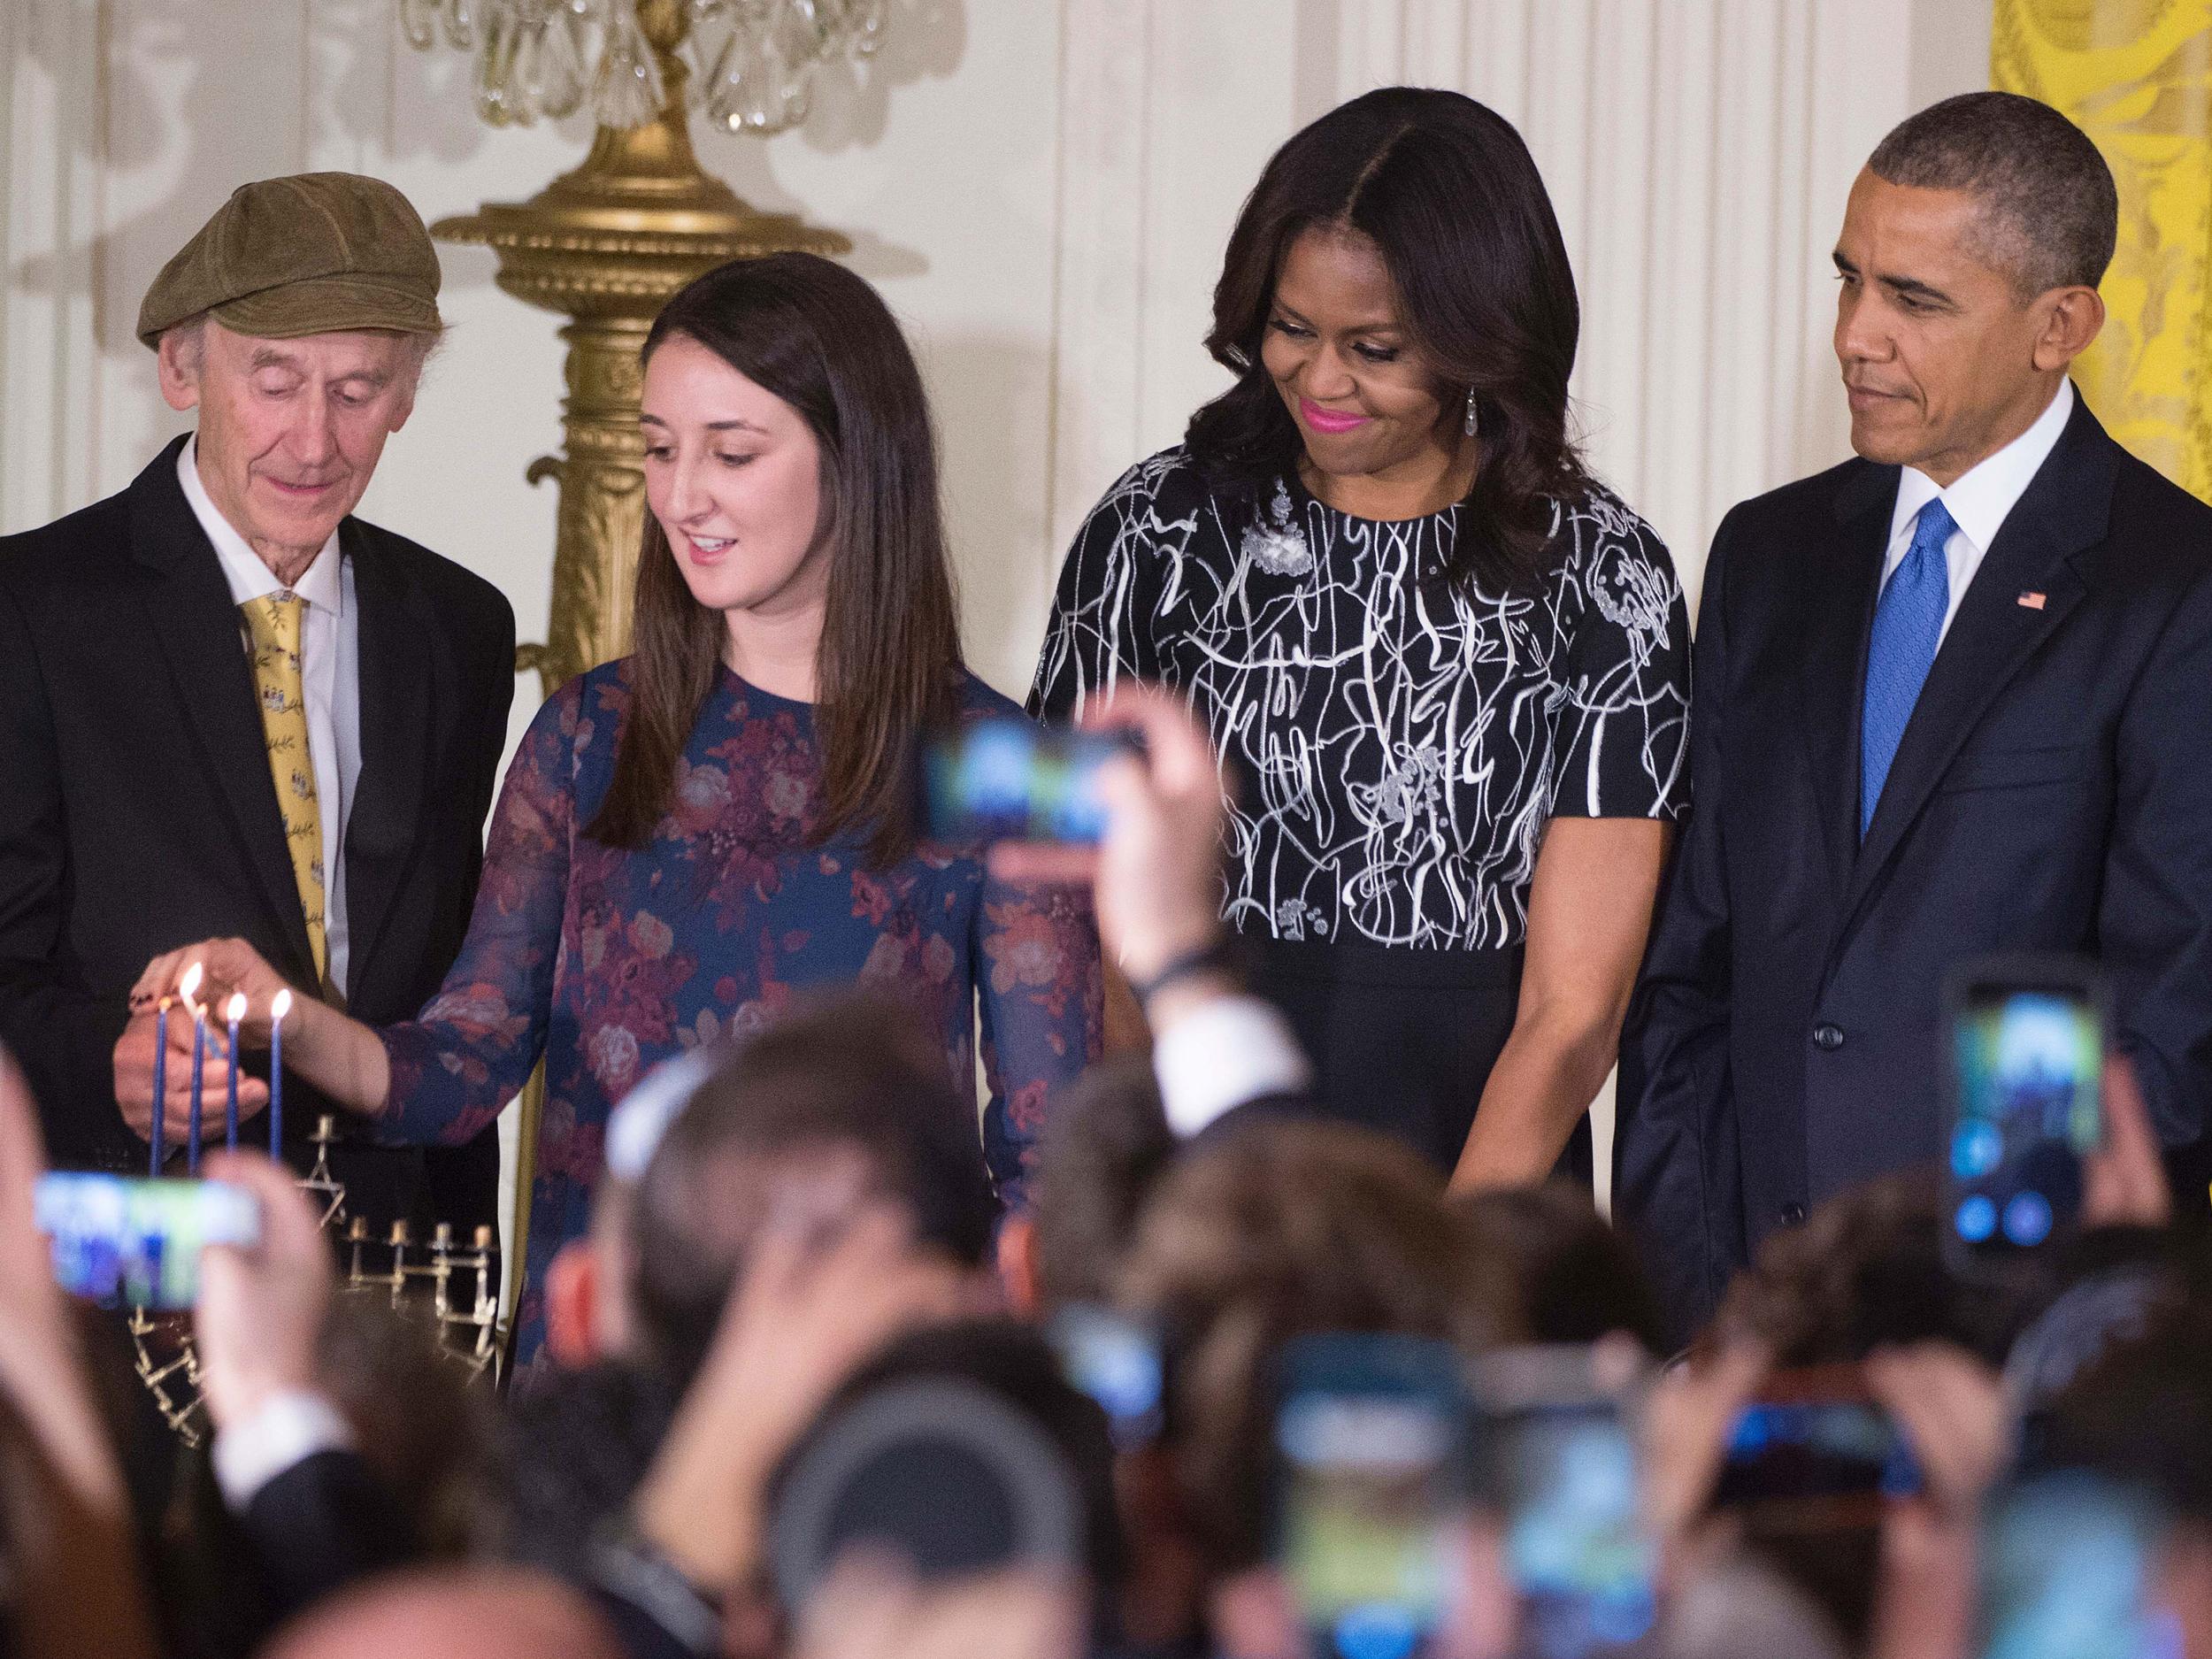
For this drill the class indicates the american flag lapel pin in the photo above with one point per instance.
(2034, 602)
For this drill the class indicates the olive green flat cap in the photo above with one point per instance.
(311, 254)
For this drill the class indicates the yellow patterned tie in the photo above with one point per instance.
(275, 621)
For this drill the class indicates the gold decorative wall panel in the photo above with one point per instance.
(2137, 75)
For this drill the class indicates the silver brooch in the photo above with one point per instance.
(1275, 542)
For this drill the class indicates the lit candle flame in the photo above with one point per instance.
(190, 983)
(235, 1009)
(281, 1005)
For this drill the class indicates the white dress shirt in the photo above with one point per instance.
(330, 664)
(1979, 500)
(1223, 1054)
(287, 1430)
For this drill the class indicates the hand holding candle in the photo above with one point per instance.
(343, 1058)
(228, 966)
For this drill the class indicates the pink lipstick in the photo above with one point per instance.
(1328, 420)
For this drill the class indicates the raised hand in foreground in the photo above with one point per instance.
(262, 1307)
(803, 1317)
(67, 1521)
(869, 1609)
(1156, 876)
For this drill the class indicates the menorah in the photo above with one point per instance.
(467, 1329)
(437, 1268)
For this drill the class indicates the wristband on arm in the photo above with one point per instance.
(1219, 954)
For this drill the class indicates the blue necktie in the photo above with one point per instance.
(1907, 626)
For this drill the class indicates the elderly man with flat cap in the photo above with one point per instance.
(229, 707)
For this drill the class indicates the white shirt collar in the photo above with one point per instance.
(1980, 499)
(319, 584)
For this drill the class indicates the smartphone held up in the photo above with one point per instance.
(1559, 1438)
(2024, 1080)
(1371, 1438)
(1013, 780)
(123, 1241)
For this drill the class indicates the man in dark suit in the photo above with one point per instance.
(229, 707)
(1951, 698)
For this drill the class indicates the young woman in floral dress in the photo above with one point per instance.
(693, 835)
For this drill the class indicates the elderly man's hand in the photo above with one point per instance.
(134, 1076)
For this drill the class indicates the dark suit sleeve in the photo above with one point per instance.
(464, 1179)
(1263, 1109)
(2154, 920)
(1675, 1189)
(62, 1035)
(322, 1524)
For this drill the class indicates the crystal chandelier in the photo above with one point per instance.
(752, 62)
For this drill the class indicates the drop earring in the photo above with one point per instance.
(1472, 423)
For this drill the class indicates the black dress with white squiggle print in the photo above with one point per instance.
(1401, 740)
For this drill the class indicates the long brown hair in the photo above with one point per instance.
(821, 339)
(1447, 191)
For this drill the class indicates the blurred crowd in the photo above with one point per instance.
(805, 1394)
(1082, 1185)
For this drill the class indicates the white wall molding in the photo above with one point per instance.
(1698, 153)
(1043, 187)
(53, 197)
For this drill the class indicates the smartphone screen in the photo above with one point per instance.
(1575, 1544)
(1815, 1441)
(1012, 780)
(2068, 1571)
(1115, 1361)
(1371, 1435)
(2026, 1084)
(123, 1241)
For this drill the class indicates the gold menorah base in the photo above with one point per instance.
(168, 1366)
(437, 1266)
(470, 1332)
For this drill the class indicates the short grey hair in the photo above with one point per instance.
(2050, 213)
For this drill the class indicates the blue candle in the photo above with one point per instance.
(278, 1007)
(161, 1080)
(199, 1065)
(234, 1012)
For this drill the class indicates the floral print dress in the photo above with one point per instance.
(608, 962)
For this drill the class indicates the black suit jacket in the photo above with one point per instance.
(320, 1526)
(137, 813)
(2052, 792)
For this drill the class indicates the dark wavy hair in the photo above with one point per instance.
(1449, 193)
(888, 667)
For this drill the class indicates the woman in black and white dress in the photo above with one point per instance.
(1448, 669)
